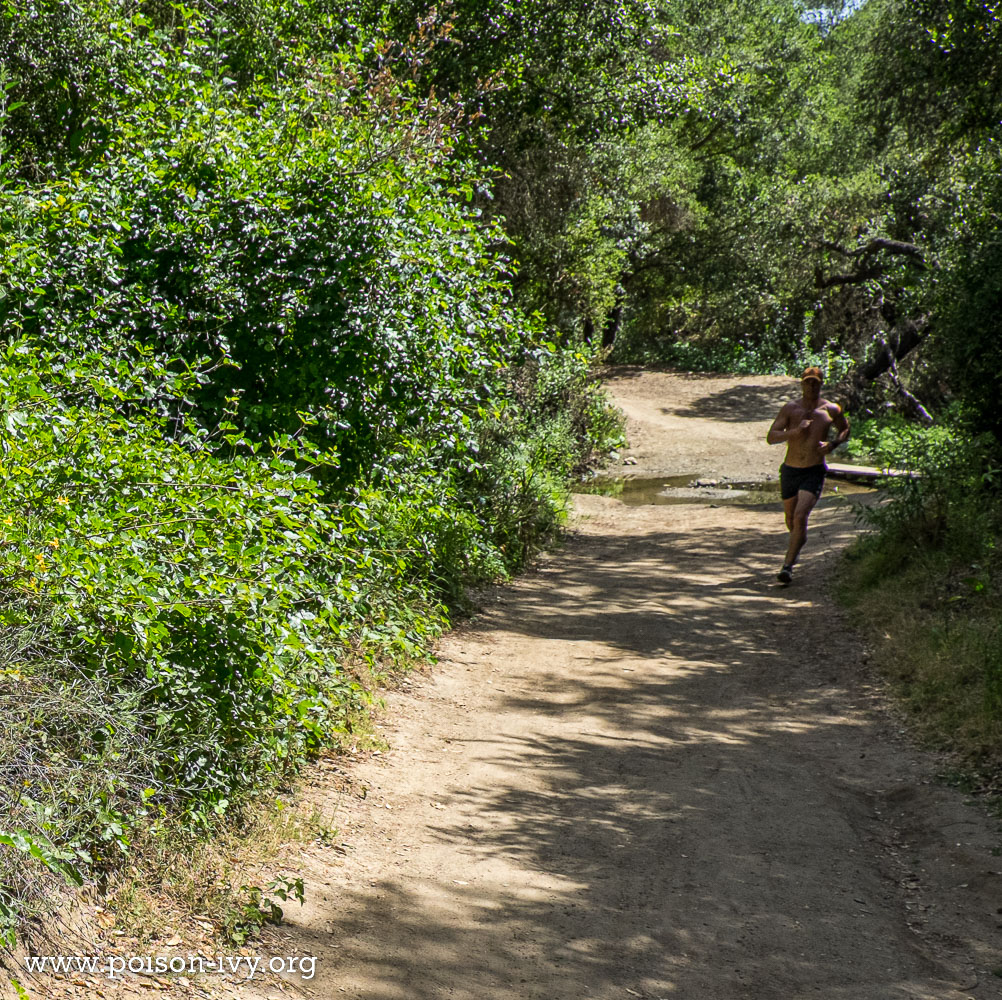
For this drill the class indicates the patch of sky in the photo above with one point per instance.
(827, 16)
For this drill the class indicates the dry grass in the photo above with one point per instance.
(178, 887)
(177, 883)
(936, 630)
(180, 882)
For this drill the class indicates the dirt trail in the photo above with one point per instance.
(646, 771)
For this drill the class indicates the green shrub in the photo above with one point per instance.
(266, 409)
(926, 582)
(950, 503)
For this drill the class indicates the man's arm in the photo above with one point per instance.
(841, 423)
(781, 431)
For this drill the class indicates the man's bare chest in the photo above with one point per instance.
(820, 420)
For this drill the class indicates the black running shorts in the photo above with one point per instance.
(793, 479)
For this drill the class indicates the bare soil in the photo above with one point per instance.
(646, 770)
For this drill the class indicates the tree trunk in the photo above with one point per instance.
(612, 324)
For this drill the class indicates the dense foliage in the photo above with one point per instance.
(750, 184)
(268, 405)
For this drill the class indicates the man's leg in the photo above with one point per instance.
(798, 511)
(785, 575)
(788, 508)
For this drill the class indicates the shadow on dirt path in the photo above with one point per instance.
(663, 787)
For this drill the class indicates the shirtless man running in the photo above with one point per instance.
(804, 425)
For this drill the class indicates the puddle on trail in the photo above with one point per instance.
(641, 491)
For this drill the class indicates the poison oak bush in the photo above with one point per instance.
(266, 408)
(926, 584)
(205, 600)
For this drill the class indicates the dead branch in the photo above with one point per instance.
(912, 401)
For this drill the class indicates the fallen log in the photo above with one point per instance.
(868, 472)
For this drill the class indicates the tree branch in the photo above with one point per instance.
(892, 371)
(905, 339)
(855, 278)
(871, 247)
(891, 246)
